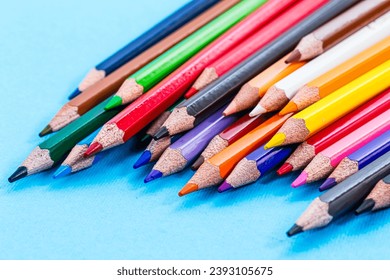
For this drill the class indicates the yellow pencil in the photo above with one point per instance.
(327, 110)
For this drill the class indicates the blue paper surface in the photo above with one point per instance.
(107, 212)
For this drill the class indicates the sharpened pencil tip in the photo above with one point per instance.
(329, 183)
(188, 188)
(47, 130)
(74, 94)
(225, 186)
(143, 159)
(366, 206)
(153, 175)
(93, 149)
(162, 132)
(284, 169)
(198, 162)
(295, 229)
(114, 102)
(20, 173)
(275, 141)
(258, 110)
(192, 91)
(62, 171)
(294, 56)
(291, 107)
(301, 180)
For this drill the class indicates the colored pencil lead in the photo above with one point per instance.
(153, 175)
(20, 173)
(198, 162)
(162, 132)
(289, 108)
(62, 171)
(277, 140)
(329, 183)
(295, 229)
(143, 159)
(74, 93)
(188, 188)
(284, 169)
(258, 110)
(366, 206)
(114, 102)
(225, 186)
(294, 56)
(301, 180)
(93, 149)
(47, 130)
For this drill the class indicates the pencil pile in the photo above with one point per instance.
(238, 89)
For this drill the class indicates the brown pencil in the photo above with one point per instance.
(109, 85)
(338, 29)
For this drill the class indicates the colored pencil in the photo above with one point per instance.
(55, 148)
(358, 159)
(251, 92)
(283, 91)
(338, 29)
(148, 76)
(328, 159)
(150, 105)
(339, 76)
(326, 111)
(205, 102)
(337, 130)
(255, 165)
(230, 135)
(104, 88)
(342, 198)
(378, 199)
(189, 146)
(75, 161)
(283, 21)
(144, 41)
(214, 170)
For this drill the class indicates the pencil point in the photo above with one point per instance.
(366, 206)
(301, 180)
(74, 93)
(258, 110)
(230, 109)
(329, 183)
(162, 132)
(294, 56)
(225, 186)
(114, 102)
(188, 188)
(93, 149)
(153, 175)
(47, 130)
(20, 173)
(198, 162)
(284, 169)
(145, 138)
(192, 91)
(143, 159)
(291, 107)
(275, 141)
(62, 171)
(295, 229)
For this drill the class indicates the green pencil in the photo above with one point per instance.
(55, 148)
(149, 75)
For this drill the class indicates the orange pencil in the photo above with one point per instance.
(251, 92)
(214, 170)
(339, 76)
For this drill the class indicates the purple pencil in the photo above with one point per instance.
(255, 165)
(357, 160)
(188, 147)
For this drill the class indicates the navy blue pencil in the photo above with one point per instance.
(357, 160)
(255, 165)
(143, 42)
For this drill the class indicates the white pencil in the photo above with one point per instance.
(280, 93)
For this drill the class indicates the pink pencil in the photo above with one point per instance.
(327, 160)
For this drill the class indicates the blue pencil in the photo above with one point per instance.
(255, 165)
(75, 161)
(143, 42)
(357, 160)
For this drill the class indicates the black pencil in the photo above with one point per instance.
(212, 97)
(343, 197)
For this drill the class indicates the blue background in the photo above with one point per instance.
(107, 212)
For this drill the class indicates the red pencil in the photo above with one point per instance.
(150, 105)
(282, 22)
(339, 129)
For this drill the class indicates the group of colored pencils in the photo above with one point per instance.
(236, 89)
